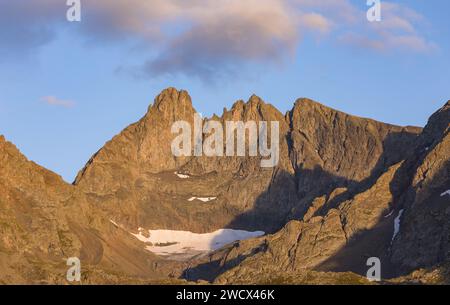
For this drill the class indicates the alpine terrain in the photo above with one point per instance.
(345, 189)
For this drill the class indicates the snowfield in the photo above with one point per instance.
(397, 224)
(204, 199)
(182, 176)
(445, 193)
(389, 215)
(170, 242)
(114, 223)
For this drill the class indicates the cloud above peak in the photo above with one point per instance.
(228, 34)
(209, 38)
(54, 101)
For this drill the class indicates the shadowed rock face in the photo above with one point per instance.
(424, 239)
(341, 231)
(327, 204)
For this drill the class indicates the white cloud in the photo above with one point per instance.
(316, 22)
(397, 30)
(209, 38)
(340, 11)
(52, 100)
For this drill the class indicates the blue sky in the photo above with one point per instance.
(67, 88)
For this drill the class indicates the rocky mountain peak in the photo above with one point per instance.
(338, 176)
(306, 103)
(254, 109)
(442, 112)
(145, 144)
(171, 104)
(172, 96)
(11, 151)
(437, 126)
(255, 100)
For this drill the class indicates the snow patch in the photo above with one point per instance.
(182, 176)
(397, 224)
(204, 199)
(445, 193)
(390, 214)
(170, 242)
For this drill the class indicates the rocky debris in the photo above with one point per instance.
(299, 278)
(331, 242)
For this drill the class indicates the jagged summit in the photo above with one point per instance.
(253, 102)
(254, 109)
(172, 96)
(178, 102)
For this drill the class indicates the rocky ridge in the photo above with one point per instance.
(328, 205)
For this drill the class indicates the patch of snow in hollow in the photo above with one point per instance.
(168, 242)
(390, 214)
(113, 222)
(204, 199)
(445, 193)
(182, 176)
(397, 224)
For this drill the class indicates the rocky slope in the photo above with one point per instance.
(44, 221)
(329, 204)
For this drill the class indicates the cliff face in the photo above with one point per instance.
(425, 198)
(329, 203)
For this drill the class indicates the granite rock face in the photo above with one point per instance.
(329, 204)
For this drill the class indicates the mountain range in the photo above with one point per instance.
(345, 189)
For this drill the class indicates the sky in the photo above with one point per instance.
(68, 87)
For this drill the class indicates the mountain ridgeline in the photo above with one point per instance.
(345, 189)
